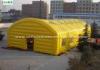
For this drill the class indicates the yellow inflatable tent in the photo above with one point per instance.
(45, 36)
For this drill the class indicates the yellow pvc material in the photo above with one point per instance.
(50, 36)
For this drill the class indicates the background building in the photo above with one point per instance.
(95, 8)
(10, 16)
(70, 7)
(38, 9)
(27, 10)
(0, 5)
(88, 17)
(82, 9)
(0, 9)
(15, 14)
(84, 6)
(77, 16)
(87, 6)
(56, 7)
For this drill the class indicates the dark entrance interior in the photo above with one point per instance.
(30, 44)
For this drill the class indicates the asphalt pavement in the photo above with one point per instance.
(28, 60)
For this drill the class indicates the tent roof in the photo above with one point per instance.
(57, 26)
(66, 25)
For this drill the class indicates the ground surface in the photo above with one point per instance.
(27, 60)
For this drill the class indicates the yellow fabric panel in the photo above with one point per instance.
(57, 30)
(17, 43)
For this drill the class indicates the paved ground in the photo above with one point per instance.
(27, 60)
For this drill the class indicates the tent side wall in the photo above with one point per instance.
(37, 29)
(69, 32)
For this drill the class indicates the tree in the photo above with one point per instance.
(83, 40)
(94, 30)
(94, 34)
(87, 50)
